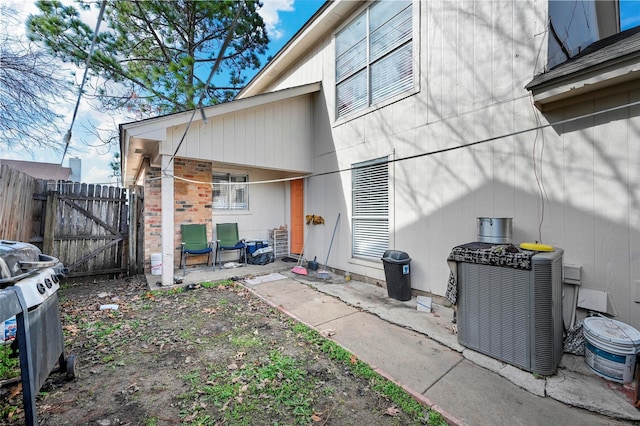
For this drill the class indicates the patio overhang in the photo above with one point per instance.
(160, 136)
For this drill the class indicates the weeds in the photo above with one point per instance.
(278, 385)
(230, 361)
(223, 283)
(9, 367)
(396, 394)
(281, 386)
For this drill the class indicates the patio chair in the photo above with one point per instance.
(194, 242)
(229, 240)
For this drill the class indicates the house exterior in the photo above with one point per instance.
(410, 120)
(48, 171)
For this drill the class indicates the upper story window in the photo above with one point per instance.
(230, 192)
(374, 56)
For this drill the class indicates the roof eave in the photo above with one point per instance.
(594, 79)
(327, 18)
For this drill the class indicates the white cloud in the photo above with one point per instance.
(97, 175)
(270, 14)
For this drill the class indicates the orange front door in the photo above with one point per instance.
(297, 216)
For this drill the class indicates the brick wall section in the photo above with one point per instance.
(152, 215)
(193, 203)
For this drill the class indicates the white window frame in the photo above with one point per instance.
(229, 185)
(355, 60)
(370, 207)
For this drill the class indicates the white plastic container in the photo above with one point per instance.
(156, 264)
(611, 348)
(8, 330)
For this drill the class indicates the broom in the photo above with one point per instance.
(299, 269)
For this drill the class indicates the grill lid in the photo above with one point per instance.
(14, 252)
(19, 260)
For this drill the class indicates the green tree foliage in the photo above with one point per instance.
(115, 165)
(154, 56)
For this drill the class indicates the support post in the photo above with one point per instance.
(168, 227)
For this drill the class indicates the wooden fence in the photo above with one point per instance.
(85, 226)
(20, 214)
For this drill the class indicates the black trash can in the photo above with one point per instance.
(397, 274)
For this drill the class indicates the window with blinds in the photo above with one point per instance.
(374, 56)
(230, 192)
(370, 206)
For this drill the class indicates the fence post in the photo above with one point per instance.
(136, 240)
(133, 231)
(50, 222)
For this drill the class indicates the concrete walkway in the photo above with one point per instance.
(420, 352)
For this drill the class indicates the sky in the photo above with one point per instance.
(283, 19)
(629, 14)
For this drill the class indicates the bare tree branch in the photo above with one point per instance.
(30, 89)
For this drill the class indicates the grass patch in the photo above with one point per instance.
(151, 421)
(277, 385)
(221, 357)
(223, 283)
(245, 342)
(102, 329)
(9, 367)
(395, 393)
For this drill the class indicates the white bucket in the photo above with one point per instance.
(610, 348)
(156, 264)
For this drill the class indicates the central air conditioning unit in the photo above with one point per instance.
(513, 315)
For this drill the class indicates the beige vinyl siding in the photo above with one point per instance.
(308, 69)
(475, 59)
(254, 137)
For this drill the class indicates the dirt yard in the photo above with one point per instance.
(209, 354)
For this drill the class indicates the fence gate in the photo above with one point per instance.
(86, 228)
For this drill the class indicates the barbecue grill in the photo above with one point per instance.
(29, 281)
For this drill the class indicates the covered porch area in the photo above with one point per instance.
(267, 140)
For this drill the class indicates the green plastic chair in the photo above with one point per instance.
(228, 239)
(194, 242)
